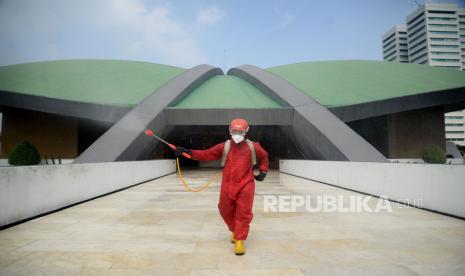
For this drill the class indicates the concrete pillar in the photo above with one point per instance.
(403, 134)
(411, 131)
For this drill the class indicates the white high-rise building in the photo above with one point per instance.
(395, 44)
(436, 36)
(455, 127)
(461, 18)
(433, 36)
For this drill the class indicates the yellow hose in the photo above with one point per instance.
(201, 188)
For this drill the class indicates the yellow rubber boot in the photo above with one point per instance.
(233, 240)
(239, 249)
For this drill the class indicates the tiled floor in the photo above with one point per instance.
(158, 228)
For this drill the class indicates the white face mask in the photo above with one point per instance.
(237, 138)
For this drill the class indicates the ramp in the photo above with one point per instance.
(158, 228)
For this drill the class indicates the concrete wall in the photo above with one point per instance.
(411, 131)
(439, 187)
(4, 162)
(404, 134)
(51, 134)
(449, 161)
(32, 190)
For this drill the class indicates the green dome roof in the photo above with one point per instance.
(340, 83)
(127, 83)
(113, 82)
(227, 92)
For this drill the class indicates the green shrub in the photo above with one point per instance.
(24, 154)
(433, 154)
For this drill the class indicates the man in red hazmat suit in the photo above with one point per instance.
(237, 186)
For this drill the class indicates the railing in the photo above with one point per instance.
(28, 191)
(439, 187)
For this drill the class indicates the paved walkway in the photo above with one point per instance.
(159, 229)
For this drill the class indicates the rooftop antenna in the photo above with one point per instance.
(414, 1)
(224, 61)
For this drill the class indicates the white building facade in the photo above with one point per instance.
(395, 44)
(435, 35)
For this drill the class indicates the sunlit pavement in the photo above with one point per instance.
(158, 228)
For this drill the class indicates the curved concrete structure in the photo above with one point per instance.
(452, 100)
(84, 110)
(318, 131)
(335, 110)
(126, 139)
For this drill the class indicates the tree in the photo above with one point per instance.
(433, 154)
(24, 154)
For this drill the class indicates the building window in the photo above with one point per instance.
(418, 58)
(454, 117)
(410, 28)
(389, 37)
(410, 35)
(455, 132)
(455, 139)
(444, 46)
(414, 19)
(442, 12)
(445, 60)
(417, 51)
(392, 54)
(443, 39)
(443, 25)
(389, 43)
(446, 53)
(389, 49)
(418, 37)
(455, 125)
(441, 19)
(419, 43)
(448, 67)
(442, 32)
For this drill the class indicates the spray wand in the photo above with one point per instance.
(149, 132)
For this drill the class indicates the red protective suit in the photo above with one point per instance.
(238, 183)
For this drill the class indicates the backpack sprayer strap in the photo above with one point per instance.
(227, 147)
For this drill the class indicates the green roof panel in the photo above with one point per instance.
(340, 83)
(227, 92)
(114, 82)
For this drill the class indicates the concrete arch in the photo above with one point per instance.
(319, 133)
(125, 140)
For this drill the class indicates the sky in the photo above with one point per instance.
(187, 33)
